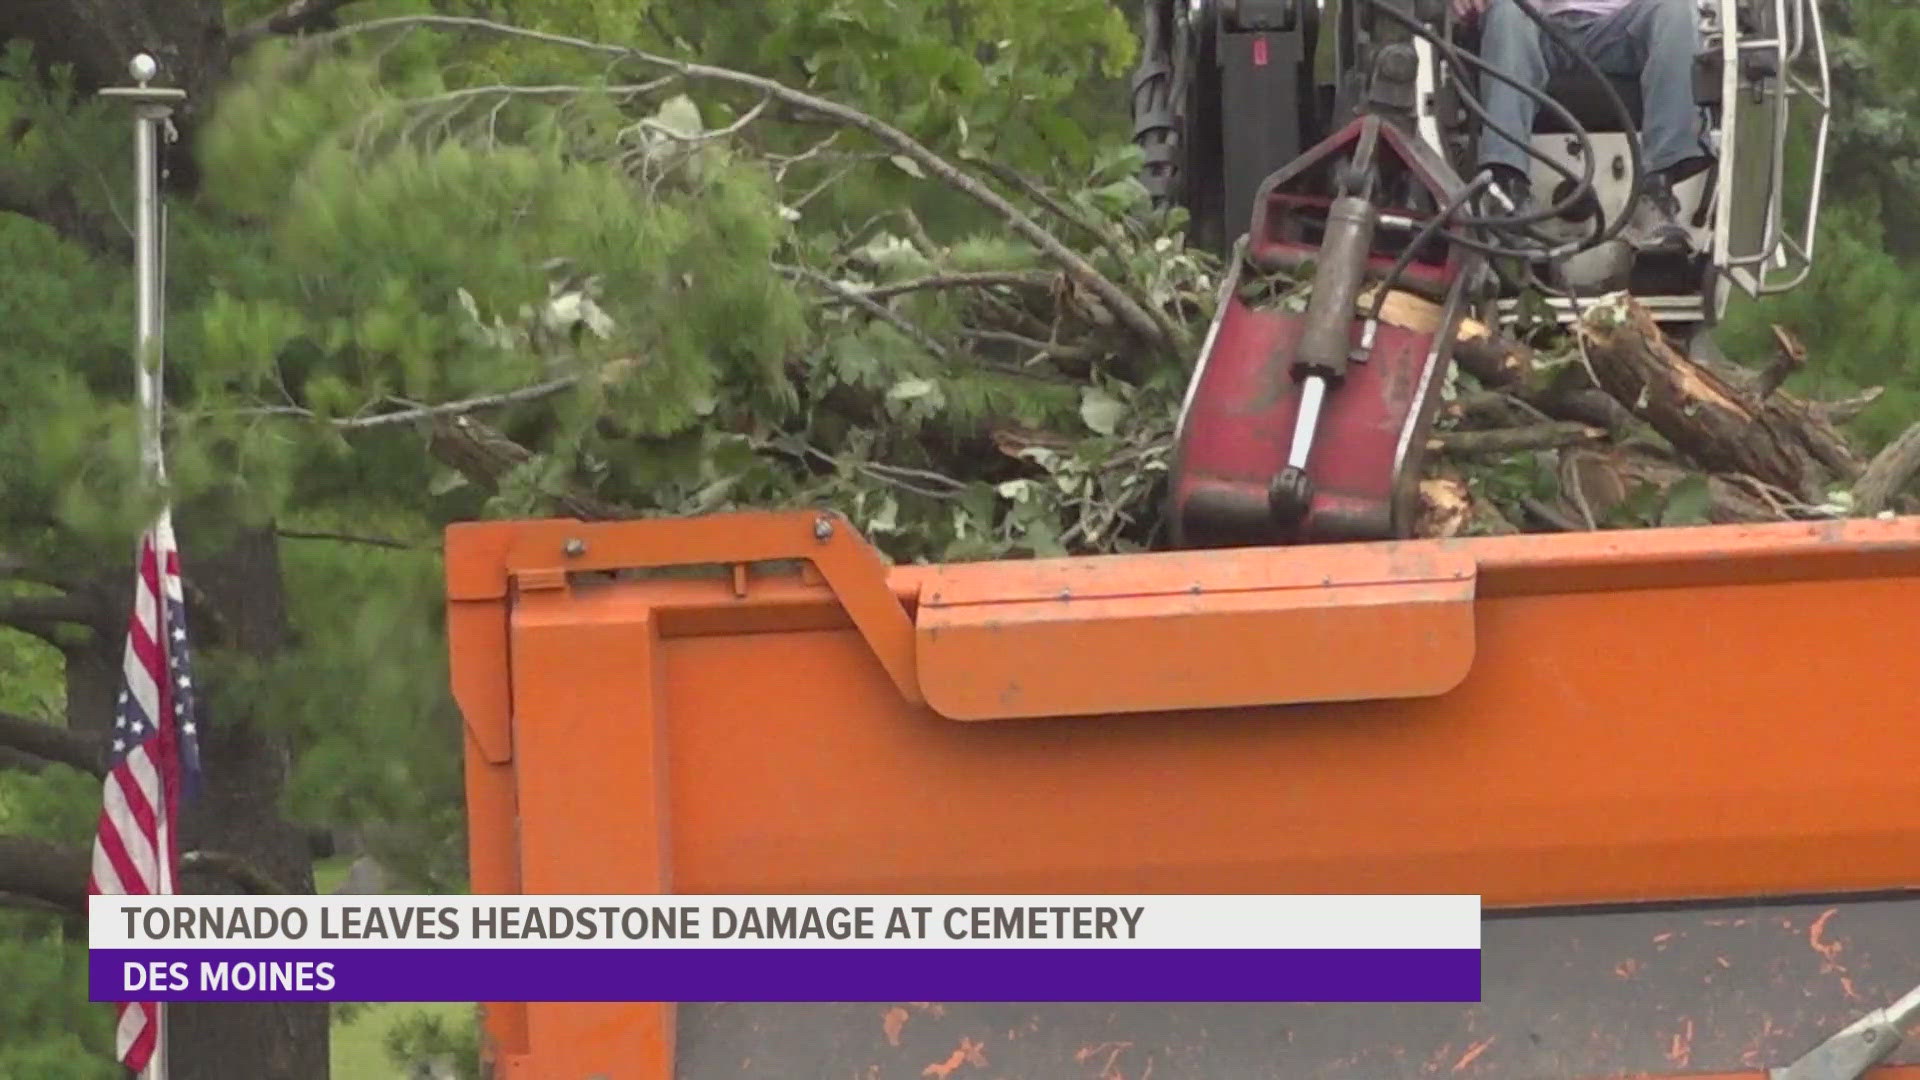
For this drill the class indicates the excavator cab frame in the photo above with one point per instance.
(1230, 92)
(1762, 68)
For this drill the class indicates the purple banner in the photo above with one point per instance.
(786, 975)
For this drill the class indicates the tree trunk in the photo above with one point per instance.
(238, 814)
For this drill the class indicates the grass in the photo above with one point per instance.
(359, 1050)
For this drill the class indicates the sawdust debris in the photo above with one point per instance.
(1473, 1052)
(967, 1053)
(1113, 1050)
(891, 1023)
(1681, 1050)
(1756, 1055)
(1827, 949)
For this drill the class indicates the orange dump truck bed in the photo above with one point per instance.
(1684, 765)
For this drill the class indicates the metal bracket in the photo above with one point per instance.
(1858, 1047)
(484, 558)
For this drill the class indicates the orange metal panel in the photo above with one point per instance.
(1659, 715)
(484, 557)
(478, 631)
(1648, 744)
(607, 829)
(1193, 631)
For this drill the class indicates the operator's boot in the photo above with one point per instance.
(1655, 223)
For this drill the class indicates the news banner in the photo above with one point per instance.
(1364, 948)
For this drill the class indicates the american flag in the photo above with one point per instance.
(154, 759)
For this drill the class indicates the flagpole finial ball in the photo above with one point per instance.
(144, 68)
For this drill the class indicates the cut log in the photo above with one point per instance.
(1715, 424)
(1792, 356)
(1480, 350)
(1889, 473)
(1445, 508)
(1487, 409)
(1598, 482)
(1551, 436)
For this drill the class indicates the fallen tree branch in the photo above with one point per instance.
(1844, 409)
(454, 408)
(870, 306)
(1489, 409)
(1065, 213)
(1716, 425)
(1549, 436)
(982, 279)
(1889, 473)
(48, 742)
(1588, 405)
(1550, 517)
(348, 538)
(734, 128)
(1597, 481)
(1128, 310)
(425, 412)
(561, 90)
(922, 482)
(1078, 354)
(1790, 357)
(483, 456)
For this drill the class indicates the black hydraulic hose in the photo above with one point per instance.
(1584, 182)
(1581, 184)
(1420, 240)
(1627, 126)
(1619, 106)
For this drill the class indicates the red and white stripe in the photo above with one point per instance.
(133, 852)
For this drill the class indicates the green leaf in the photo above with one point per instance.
(907, 165)
(1687, 502)
(1100, 410)
(911, 389)
(679, 115)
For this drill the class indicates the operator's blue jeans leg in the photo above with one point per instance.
(1653, 39)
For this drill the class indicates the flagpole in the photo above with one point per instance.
(152, 112)
(152, 115)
